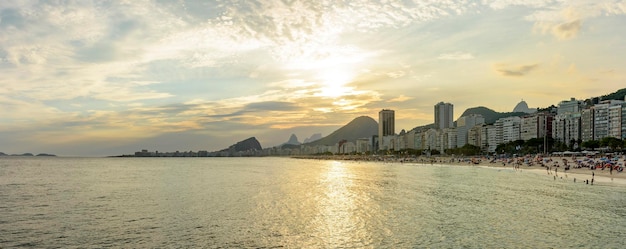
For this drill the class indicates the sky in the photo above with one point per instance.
(98, 78)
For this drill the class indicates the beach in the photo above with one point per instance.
(557, 170)
(579, 170)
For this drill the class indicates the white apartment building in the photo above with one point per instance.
(623, 121)
(615, 121)
(363, 145)
(605, 114)
(432, 140)
(510, 129)
(387, 142)
(448, 139)
(492, 137)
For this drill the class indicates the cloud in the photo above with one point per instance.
(266, 106)
(515, 71)
(567, 30)
(565, 21)
(400, 98)
(456, 56)
(562, 31)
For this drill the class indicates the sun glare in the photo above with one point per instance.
(333, 83)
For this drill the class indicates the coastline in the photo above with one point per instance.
(553, 169)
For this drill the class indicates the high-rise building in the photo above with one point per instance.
(567, 128)
(571, 106)
(510, 128)
(586, 125)
(624, 120)
(444, 113)
(607, 114)
(386, 125)
(536, 125)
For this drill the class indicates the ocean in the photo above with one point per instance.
(297, 203)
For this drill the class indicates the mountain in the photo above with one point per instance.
(293, 140)
(361, 127)
(246, 145)
(314, 137)
(490, 115)
(249, 144)
(618, 95)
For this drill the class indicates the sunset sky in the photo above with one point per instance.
(95, 78)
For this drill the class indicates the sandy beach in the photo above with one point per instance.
(556, 171)
(555, 167)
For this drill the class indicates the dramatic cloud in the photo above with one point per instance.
(514, 71)
(122, 72)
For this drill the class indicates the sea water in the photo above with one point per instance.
(298, 203)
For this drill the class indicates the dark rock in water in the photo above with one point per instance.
(45, 154)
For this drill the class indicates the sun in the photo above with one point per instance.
(332, 82)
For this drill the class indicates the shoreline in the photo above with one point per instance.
(553, 169)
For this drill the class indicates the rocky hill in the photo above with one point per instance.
(618, 95)
(293, 139)
(250, 144)
(314, 137)
(361, 127)
(490, 115)
(246, 145)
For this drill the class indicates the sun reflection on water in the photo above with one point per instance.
(339, 222)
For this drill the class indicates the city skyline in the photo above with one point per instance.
(104, 78)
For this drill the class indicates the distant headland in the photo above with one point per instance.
(26, 154)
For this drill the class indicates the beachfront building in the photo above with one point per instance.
(536, 125)
(604, 121)
(600, 121)
(386, 127)
(432, 140)
(615, 121)
(624, 121)
(363, 145)
(474, 136)
(567, 128)
(570, 106)
(463, 125)
(510, 129)
(345, 147)
(492, 137)
(409, 139)
(586, 125)
(448, 139)
(444, 113)
(388, 142)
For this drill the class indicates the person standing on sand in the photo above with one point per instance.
(593, 175)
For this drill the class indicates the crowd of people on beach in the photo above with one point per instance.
(608, 165)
